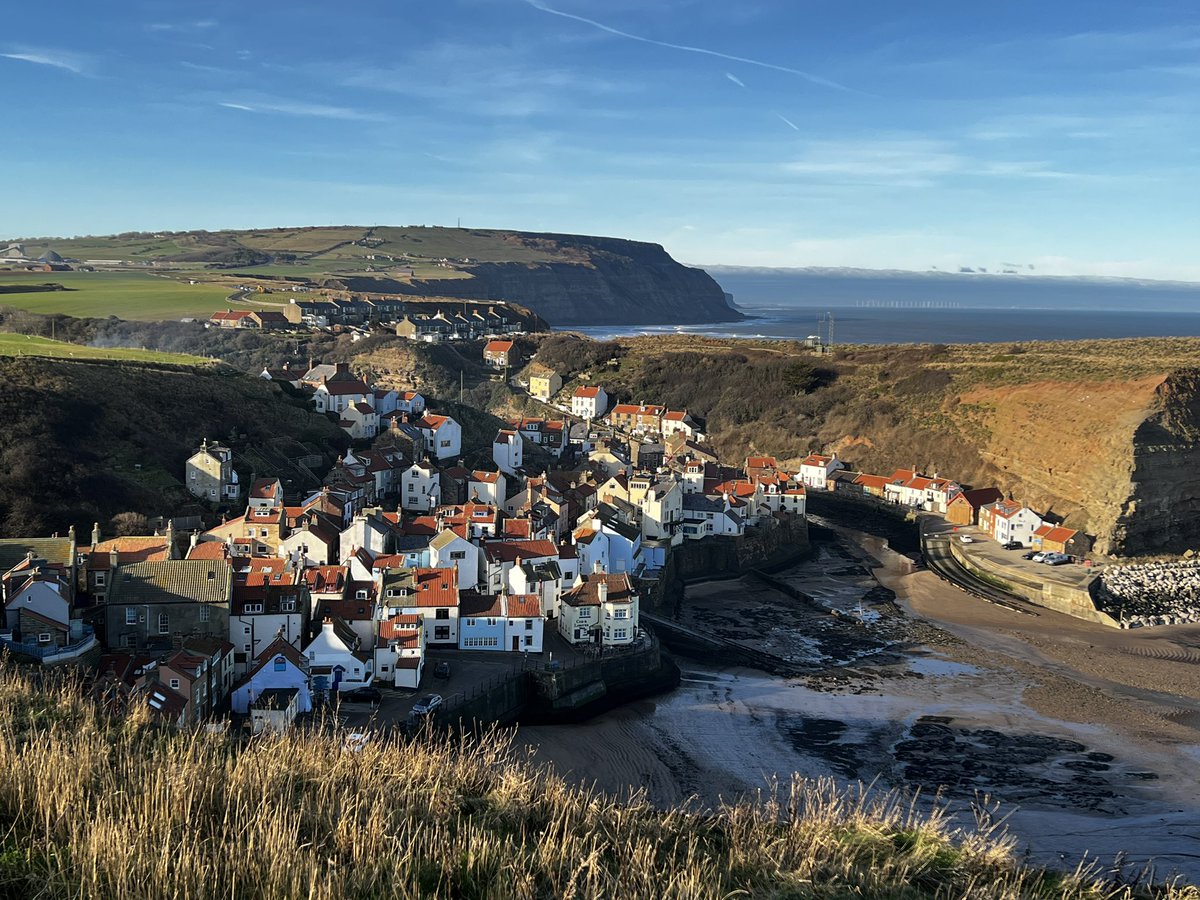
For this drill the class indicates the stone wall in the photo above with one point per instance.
(1063, 598)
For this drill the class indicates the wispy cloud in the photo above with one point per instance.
(183, 27)
(76, 63)
(807, 76)
(291, 108)
(735, 79)
(908, 163)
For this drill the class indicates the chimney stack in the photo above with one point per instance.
(602, 590)
(95, 533)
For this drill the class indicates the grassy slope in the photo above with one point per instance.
(87, 440)
(129, 295)
(26, 345)
(101, 808)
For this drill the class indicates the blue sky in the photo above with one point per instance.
(1062, 136)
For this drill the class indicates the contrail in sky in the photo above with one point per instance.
(807, 76)
(735, 79)
(788, 122)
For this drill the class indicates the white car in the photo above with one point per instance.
(966, 539)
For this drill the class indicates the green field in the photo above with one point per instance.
(26, 345)
(129, 295)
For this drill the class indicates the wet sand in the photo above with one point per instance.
(1088, 737)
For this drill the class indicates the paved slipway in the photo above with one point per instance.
(1087, 738)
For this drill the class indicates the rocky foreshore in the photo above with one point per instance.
(1157, 593)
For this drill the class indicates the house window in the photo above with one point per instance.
(100, 576)
(251, 608)
(620, 634)
(442, 614)
(131, 616)
(246, 630)
(445, 443)
(469, 623)
(164, 624)
(287, 606)
(528, 640)
(44, 637)
(204, 612)
(585, 613)
(360, 595)
(127, 640)
(528, 625)
(174, 684)
(441, 633)
(458, 554)
(621, 614)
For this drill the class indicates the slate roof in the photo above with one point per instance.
(173, 581)
(586, 594)
(56, 551)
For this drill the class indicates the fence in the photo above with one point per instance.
(48, 655)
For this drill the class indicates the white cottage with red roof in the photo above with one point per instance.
(816, 469)
(400, 651)
(601, 609)
(589, 402)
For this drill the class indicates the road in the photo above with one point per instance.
(935, 547)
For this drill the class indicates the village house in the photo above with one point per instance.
(336, 660)
(270, 602)
(424, 328)
(816, 469)
(603, 538)
(431, 594)
(679, 422)
(499, 354)
(601, 609)
(443, 435)
(589, 402)
(420, 488)
(450, 550)
(400, 651)
(507, 451)
(360, 421)
(640, 419)
(660, 499)
(963, 508)
(1058, 539)
(1007, 521)
(544, 382)
(209, 473)
(151, 603)
(549, 435)
(705, 516)
(487, 487)
(336, 391)
(187, 675)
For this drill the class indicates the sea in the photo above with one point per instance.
(868, 307)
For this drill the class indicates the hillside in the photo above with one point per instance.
(563, 278)
(1100, 432)
(115, 808)
(84, 441)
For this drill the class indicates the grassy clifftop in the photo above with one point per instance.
(94, 807)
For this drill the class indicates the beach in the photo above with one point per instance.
(1086, 738)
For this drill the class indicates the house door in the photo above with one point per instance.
(516, 642)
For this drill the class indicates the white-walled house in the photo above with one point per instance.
(508, 451)
(589, 402)
(410, 402)
(816, 469)
(279, 666)
(360, 421)
(43, 597)
(661, 502)
(443, 435)
(420, 488)
(431, 594)
(367, 532)
(400, 651)
(602, 608)
(487, 487)
(335, 660)
(706, 516)
(524, 624)
(1007, 520)
(450, 551)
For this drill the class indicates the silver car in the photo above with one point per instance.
(427, 704)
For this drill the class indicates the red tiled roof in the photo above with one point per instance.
(523, 606)
(1056, 533)
(264, 489)
(586, 594)
(515, 551)
(209, 550)
(587, 393)
(129, 550)
(323, 579)
(433, 587)
(498, 346)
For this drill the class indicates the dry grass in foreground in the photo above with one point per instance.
(95, 808)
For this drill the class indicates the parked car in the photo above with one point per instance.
(1060, 560)
(1012, 545)
(441, 670)
(363, 695)
(427, 704)
(1038, 557)
(966, 539)
(356, 740)
(1030, 555)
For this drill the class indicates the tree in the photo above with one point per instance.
(801, 377)
(128, 523)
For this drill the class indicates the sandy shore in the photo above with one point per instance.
(1088, 737)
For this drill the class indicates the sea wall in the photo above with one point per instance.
(1063, 598)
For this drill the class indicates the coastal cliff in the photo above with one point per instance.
(593, 281)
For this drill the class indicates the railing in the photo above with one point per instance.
(51, 654)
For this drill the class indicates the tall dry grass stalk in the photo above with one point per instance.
(92, 807)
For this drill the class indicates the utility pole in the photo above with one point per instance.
(461, 378)
(831, 332)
